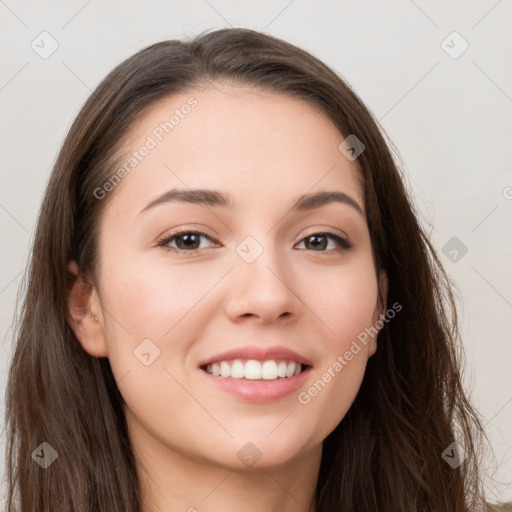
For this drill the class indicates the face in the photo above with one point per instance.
(243, 282)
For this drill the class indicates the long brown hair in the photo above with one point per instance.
(386, 453)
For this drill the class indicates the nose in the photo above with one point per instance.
(266, 290)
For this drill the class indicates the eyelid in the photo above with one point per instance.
(339, 236)
(342, 240)
(166, 237)
(317, 230)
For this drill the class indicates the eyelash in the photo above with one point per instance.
(343, 242)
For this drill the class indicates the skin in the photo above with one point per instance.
(265, 149)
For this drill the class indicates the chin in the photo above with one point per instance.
(264, 452)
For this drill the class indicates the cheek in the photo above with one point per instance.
(345, 302)
(153, 315)
(158, 310)
(347, 306)
(155, 300)
(329, 396)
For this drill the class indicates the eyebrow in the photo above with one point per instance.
(216, 198)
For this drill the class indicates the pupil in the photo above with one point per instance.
(316, 243)
(191, 240)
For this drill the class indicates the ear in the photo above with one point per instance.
(380, 309)
(84, 308)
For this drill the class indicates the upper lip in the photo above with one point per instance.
(259, 353)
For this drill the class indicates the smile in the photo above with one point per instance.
(253, 369)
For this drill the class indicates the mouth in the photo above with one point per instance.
(255, 370)
(257, 374)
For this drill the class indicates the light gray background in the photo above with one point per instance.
(451, 119)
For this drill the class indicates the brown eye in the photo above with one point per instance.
(319, 242)
(186, 241)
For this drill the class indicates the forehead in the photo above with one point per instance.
(250, 142)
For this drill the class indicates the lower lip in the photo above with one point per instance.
(259, 390)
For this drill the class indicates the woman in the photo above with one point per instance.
(231, 303)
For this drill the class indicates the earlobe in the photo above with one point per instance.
(84, 312)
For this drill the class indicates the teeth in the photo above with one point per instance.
(255, 370)
(290, 369)
(225, 370)
(216, 369)
(237, 370)
(269, 370)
